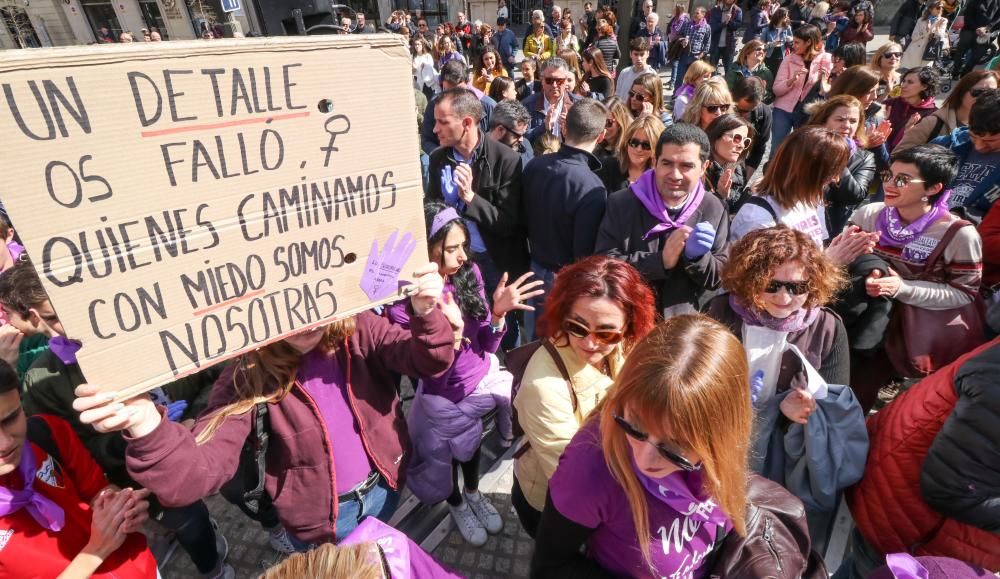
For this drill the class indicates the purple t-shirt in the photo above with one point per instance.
(585, 492)
(322, 377)
(471, 363)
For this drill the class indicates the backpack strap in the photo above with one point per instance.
(936, 132)
(260, 441)
(40, 433)
(938, 252)
(759, 201)
(551, 349)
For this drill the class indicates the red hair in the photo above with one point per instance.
(599, 276)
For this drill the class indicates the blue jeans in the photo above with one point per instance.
(782, 124)
(380, 502)
(193, 529)
(548, 277)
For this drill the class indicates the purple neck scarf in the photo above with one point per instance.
(645, 190)
(904, 566)
(800, 320)
(15, 249)
(65, 349)
(895, 233)
(45, 512)
(675, 491)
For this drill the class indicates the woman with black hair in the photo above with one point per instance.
(444, 421)
(915, 101)
(846, 55)
(730, 136)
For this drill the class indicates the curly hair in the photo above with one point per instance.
(599, 276)
(754, 258)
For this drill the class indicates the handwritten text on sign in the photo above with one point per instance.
(185, 202)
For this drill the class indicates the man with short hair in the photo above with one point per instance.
(977, 185)
(454, 75)
(588, 25)
(509, 125)
(555, 17)
(463, 31)
(564, 199)
(424, 31)
(725, 19)
(639, 53)
(549, 108)
(506, 44)
(748, 100)
(481, 179)
(668, 226)
(639, 22)
(363, 27)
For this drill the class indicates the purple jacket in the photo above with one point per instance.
(406, 560)
(300, 477)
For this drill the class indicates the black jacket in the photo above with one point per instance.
(905, 19)
(979, 13)
(843, 198)
(564, 203)
(737, 191)
(960, 477)
(496, 208)
(690, 282)
(760, 118)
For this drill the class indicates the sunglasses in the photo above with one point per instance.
(634, 95)
(716, 109)
(737, 139)
(892, 54)
(899, 180)
(671, 455)
(609, 123)
(513, 132)
(555, 81)
(637, 144)
(796, 288)
(606, 337)
(978, 92)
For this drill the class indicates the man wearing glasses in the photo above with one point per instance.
(977, 184)
(668, 226)
(748, 101)
(564, 200)
(509, 125)
(549, 108)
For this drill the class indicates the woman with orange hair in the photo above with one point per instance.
(667, 450)
(598, 309)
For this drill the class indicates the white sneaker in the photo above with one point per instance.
(468, 524)
(280, 541)
(485, 512)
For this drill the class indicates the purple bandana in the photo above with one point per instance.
(15, 249)
(45, 512)
(895, 233)
(645, 190)
(674, 490)
(904, 566)
(65, 349)
(443, 218)
(800, 320)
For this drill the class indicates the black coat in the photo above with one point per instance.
(737, 191)
(844, 197)
(496, 207)
(905, 19)
(625, 223)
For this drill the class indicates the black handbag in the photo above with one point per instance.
(932, 52)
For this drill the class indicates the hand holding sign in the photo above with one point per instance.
(381, 276)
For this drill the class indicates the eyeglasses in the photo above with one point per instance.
(634, 95)
(978, 92)
(796, 288)
(737, 139)
(555, 81)
(717, 109)
(900, 180)
(669, 454)
(892, 54)
(637, 144)
(606, 337)
(761, 49)
(609, 123)
(513, 132)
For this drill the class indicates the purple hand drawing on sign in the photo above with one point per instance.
(381, 276)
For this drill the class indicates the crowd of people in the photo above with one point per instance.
(685, 304)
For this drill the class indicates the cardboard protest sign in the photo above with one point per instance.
(185, 202)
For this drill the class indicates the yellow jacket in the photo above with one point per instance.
(545, 412)
(479, 81)
(543, 49)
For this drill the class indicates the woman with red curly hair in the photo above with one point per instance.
(779, 282)
(598, 309)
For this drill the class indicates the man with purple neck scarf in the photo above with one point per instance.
(668, 226)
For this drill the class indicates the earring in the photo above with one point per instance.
(924, 198)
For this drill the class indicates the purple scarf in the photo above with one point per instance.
(675, 491)
(800, 320)
(65, 349)
(904, 566)
(15, 249)
(645, 190)
(895, 233)
(45, 512)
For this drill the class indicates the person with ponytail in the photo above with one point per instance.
(338, 443)
(444, 421)
(667, 449)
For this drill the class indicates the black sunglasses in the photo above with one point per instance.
(893, 54)
(796, 288)
(644, 145)
(606, 337)
(671, 455)
(978, 92)
(513, 132)
(634, 95)
(715, 109)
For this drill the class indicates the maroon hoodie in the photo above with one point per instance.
(900, 111)
(300, 477)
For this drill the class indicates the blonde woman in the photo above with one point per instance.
(668, 449)
(635, 153)
(699, 72)
(619, 119)
(336, 452)
(645, 97)
(886, 62)
(711, 101)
